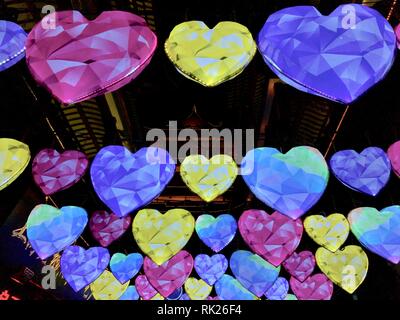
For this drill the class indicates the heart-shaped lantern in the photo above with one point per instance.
(80, 59)
(12, 44)
(126, 182)
(210, 56)
(338, 57)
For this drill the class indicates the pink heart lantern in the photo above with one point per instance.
(274, 237)
(81, 59)
(394, 157)
(316, 287)
(54, 172)
(171, 275)
(397, 31)
(300, 265)
(107, 227)
(144, 288)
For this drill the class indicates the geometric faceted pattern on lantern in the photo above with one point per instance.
(329, 56)
(253, 272)
(228, 288)
(208, 178)
(161, 236)
(125, 267)
(51, 230)
(347, 267)
(316, 287)
(378, 231)
(81, 267)
(210, 269)
(279, 290)
(12, 44)
(367, 172)
(107, 227)
(330, 232)
(144, 288)
(171, 275)
(197, 289)
(394, 156)
(210, 56)
(106, 287)
(290, 183)
(14, 158)
(218, 232)
(274, 237)
(54, 172)
(126, 182)
(300, 265)
(81, 59)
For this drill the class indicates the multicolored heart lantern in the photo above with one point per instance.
(106, 287)
(84, 59)
(171, 275)
(228, 288)
(144, 288)
(130, 294)
(316, 287)
(394, 157)
(216, 233)
(253, 272)
(162, 236)
(51, 230)
(300, 265)
(125, 267)
(367, 172)
(290, 183)
(14, 158)
(338, 57)
(330, 232)
(81, 267)
(208, 178)
(210, 269)
(54, 172)
(274, 237)
(279, 290)
(347, 267)
(12, 44)
(126, 182)
(197, 289)
(210, 56)
(107, 227)
(378, 231)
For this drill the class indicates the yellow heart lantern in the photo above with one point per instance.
(209, 178)
(197, 289)
(14, 158)
(347, 267)
(107, 287)
(210, 56)
(330, 232)
(162, 236)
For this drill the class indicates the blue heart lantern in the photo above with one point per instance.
(130, 294)
(367, 172)
(81, 267)
(12, 44)
(216, 233)
(125, 267)
(210, 269)
(126, 182)
(279, 290)
(253, 272)
(228, 288)
(338, 57)
(50, 230)
(290, 183)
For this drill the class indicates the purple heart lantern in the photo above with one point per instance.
(107, 227)
(367, 172)
(126, 182)
(210, 269)
(300, 265)
(81, 267)
(338, 57)
(12, 44)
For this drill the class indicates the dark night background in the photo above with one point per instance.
(281, 116)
